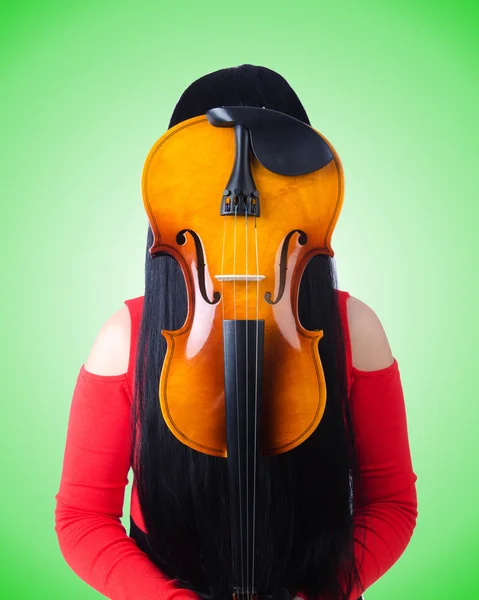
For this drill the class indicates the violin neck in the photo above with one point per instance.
(243, 363)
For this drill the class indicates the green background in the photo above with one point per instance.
(87, 88)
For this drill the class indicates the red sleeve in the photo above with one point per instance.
(89, 503)
(385, 521)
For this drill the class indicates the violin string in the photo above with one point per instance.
(235, 516)
(222, 268)
(237, 400)
(255, 391)
(247, 403)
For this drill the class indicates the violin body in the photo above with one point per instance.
(242, 198)
(184, 178)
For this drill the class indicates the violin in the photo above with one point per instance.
(242, 198)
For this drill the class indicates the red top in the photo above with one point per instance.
(96, 463)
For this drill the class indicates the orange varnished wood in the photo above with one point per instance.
(184, 177)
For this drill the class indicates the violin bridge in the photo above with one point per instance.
(239, 277)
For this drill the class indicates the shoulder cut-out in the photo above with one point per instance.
(110, 351)
(370, 347)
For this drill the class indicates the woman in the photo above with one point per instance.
(342, 506)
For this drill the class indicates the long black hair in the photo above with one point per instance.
(304, 535)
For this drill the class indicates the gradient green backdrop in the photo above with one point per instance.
(88, 87)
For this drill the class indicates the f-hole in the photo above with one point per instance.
(303, 238)
(200, 259)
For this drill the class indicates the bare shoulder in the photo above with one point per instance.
(369, 344)
(111, 349)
